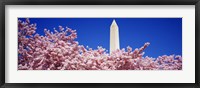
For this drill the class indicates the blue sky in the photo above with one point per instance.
(164, 34)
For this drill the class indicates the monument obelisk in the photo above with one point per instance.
(114, 37)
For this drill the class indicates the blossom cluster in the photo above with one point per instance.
(58, 50)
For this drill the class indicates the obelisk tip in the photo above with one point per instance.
(113, 23)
